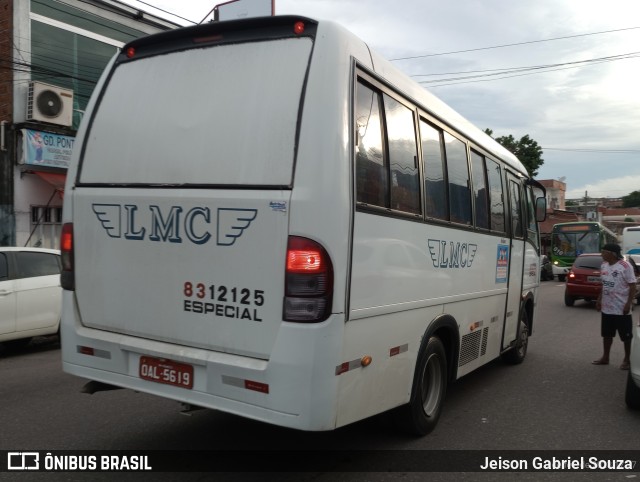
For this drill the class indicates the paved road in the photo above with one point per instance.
(555, 400)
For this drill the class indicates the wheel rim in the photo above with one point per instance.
(524, 340)
(432, 382)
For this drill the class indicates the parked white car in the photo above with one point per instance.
(30, 293)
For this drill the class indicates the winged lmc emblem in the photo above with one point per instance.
(232, 223)
(450, 254)
(109, 217)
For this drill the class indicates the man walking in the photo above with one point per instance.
(614, 302)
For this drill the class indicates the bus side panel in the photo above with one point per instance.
(405, 274)
(386, 383)
(400, 262)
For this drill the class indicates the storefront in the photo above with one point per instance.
(43, 159)
(58, 50)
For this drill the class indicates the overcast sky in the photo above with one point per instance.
(577, 95)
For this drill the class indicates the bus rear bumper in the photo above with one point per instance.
(287, 390)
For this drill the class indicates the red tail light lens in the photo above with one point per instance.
(308, 281)
(67, 277)
(298, 28)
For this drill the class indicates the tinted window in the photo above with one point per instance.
(32, 264)
(532, 225)
(592, 262)
(458, 174)
(371, 174)
(480, 190)
(403, 160)
(496, 198)
(516, 212)
(4, 267)
(434, 182)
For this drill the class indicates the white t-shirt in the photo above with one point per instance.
(615, 286)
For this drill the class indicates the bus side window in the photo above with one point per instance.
(532, 226)
(516, 211)
(403, 157)
(458, 174)
(480, 190)
(496, 197)
(434, 182)
(371, 172)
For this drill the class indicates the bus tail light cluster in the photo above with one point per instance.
(67, 277)
(308, 281)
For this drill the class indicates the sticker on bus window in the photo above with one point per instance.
(502, 263)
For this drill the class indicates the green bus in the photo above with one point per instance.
(569, 240)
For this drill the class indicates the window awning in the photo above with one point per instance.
(55, 179)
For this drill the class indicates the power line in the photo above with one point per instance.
(577, 149)
(506, 70)
(513, 44)
(164, 11)
(522, 71)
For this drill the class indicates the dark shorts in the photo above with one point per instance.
(612, 323)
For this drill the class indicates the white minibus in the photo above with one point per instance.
(266, 218)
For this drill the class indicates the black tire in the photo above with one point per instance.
(562, 277)
(518, 353)
(18, 344)
(420, 416)
(568, 300)
(632, 394)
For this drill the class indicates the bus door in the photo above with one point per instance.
(515, 260)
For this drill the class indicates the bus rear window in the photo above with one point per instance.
(224, 115)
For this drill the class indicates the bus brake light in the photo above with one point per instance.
(298, 28)
(67, 277)
(308, 281)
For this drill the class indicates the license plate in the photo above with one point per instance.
(593, 279)
(169, 372)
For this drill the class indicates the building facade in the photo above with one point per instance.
(52, 53)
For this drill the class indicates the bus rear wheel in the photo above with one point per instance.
(518, 353)
(421, 415)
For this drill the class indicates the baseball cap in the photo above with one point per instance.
(614, 248)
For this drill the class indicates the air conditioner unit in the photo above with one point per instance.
(50, 103)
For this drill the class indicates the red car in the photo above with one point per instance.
(583, 280)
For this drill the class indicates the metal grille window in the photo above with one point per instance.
(46, 224)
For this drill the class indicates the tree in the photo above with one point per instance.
(631, 200)
(526, 149)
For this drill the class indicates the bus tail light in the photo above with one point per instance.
(67, 277)
(308, 281)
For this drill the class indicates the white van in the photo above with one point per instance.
(260, 218)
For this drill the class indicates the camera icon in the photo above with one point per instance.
(23, 461)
